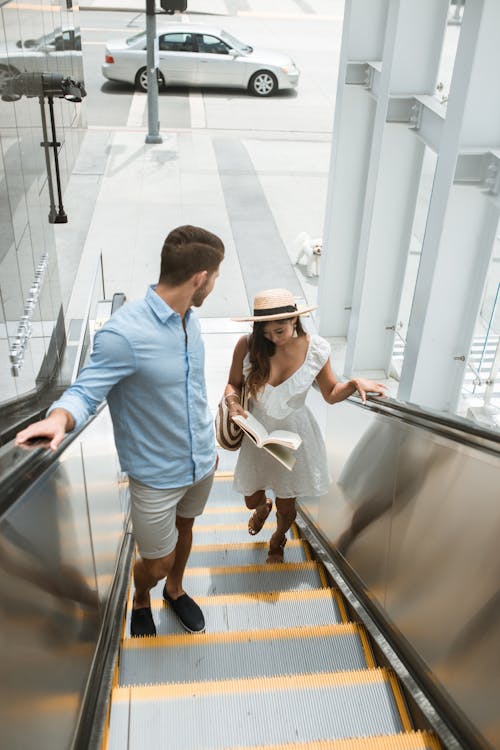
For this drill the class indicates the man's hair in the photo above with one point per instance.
(188, 250)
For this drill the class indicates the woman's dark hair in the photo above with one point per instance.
(188, 250)
(260, 352)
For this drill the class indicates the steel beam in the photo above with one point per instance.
(461, 223)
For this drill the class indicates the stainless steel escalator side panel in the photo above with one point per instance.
(416, 514)
(53, 583)
(107, 500)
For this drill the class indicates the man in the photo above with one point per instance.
(148, 361)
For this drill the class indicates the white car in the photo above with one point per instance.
(198, 55)
(56, 52)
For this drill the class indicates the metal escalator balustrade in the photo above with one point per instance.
(280, 665)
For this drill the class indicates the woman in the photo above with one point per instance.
(279, 362)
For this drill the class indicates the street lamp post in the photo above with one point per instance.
(153, 135)
(170, 7)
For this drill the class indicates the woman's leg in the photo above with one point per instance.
(285, 516)
(261, 506)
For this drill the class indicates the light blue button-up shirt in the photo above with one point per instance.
(152, 372)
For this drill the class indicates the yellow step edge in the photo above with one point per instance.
(400, 702)
(256, 568)
(200, 527)
(307, 548)
(342, 608)
(252, 598)
(367, 650)
(223, 475)
(251, 685)
(322, 575)
(174, 640)
(414, 740)
(243, 545)
(221, 509)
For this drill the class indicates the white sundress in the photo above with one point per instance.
(282, 407)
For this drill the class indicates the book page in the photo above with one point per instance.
(282, 454)
(283, 437)
(252, 427)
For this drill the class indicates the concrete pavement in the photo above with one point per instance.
(256, 190)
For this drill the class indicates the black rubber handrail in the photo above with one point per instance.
(20, 467)
(439, 422)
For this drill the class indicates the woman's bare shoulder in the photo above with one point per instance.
(241, 347)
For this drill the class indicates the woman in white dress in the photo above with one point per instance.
(279, 362)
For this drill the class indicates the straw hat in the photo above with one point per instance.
(275, 304)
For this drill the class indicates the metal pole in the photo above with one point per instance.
(45, 144)
(153, 135)
(61, 213)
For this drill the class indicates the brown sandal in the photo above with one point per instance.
(256, 522)
(276, 550)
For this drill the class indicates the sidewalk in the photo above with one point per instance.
(140, 191)
(237, 184)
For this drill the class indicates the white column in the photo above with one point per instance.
(412, 49)
(374, 176)
(461, 223)
(362, 40)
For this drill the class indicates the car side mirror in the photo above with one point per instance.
(234, 53)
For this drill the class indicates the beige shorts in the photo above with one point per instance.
(154, 511)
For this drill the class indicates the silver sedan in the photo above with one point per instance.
(197, 55)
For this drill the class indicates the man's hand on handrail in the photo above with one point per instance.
(50, 431)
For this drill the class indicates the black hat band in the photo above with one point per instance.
(276, 310)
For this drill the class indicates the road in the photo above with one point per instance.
(313, 43)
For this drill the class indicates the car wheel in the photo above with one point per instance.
(263, 83)
(6, 73)
(141, 80)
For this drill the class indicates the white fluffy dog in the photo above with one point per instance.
(308, 252)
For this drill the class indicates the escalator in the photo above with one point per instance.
(281, 664)
(359, 640)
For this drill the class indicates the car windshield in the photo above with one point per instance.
(235, 43)
(133, 39)
(44, 40)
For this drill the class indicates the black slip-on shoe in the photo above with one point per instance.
(141, 622)
(188, 612)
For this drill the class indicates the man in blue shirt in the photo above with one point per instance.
(148, 361)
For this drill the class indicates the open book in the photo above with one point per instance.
(279, 443)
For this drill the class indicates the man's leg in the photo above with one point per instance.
(182, 550)
(191, 505)
(147, 573)
(153, 519)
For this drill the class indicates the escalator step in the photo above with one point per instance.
(403, 741)
(264, 711)
(234, 612)
(229, 532)
(244, 553)
(249, 578)
(222, 494)
(228, 514)
(244, 654)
